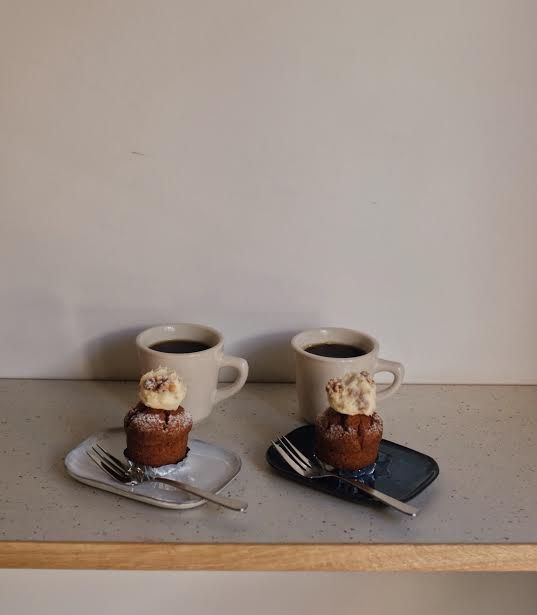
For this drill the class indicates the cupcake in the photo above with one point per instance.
(348, 433)
(157, 427)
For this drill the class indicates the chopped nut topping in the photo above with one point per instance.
(156, 384)
(161, 389)
(352, 394)
(334, 385)
(368, 377)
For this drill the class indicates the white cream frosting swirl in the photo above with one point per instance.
(353, 394)
(162, 389)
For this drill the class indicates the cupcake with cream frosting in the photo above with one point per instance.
(157, 427)
(348, 433)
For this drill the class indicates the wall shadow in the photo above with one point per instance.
(270, 357)
(112, 356)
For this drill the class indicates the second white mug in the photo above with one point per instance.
(314, 371)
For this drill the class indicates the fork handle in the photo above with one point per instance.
(382, 497)
(232, 503)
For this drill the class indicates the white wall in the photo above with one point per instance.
(220, 593)
(267, 166)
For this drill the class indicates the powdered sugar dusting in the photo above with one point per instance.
(337, 431)
(164, 420)
(181, 419)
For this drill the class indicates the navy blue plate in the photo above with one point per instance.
(399, 471)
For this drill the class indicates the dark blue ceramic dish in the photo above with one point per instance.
(399, 471)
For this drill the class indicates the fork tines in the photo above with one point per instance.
(295, 459)
(107, 462)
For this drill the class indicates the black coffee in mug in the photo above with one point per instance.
(335, 350)
(179, 346)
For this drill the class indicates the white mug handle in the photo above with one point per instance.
(241, 365)
(398, 372)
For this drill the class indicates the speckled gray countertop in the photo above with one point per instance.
(483, 437)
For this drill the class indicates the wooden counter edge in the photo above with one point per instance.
(269, 557)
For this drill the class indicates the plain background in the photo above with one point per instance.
(265, 166)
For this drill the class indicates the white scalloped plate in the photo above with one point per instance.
(207, 466)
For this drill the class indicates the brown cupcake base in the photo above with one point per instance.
(347, 442)
(141, 463)
(154, 457)
(157, 437)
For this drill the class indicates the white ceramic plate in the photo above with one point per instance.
(207, 466)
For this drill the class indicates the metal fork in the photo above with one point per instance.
(131, 474)
(309, 468)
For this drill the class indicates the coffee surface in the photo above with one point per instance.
(335, 351)
(179, 346)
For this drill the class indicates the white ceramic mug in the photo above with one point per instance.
(314, 371)
(199, 370)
